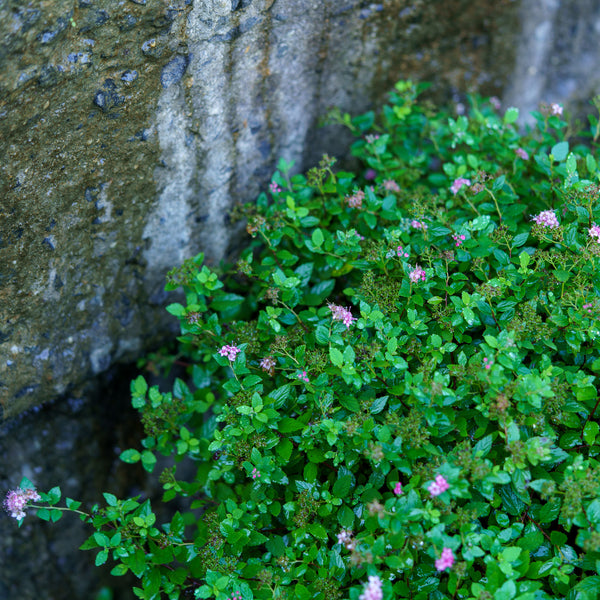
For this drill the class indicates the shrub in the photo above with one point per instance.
(393, 393)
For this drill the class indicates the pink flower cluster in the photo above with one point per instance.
(594, 232)
(235, 596)
(356, 200)
(458, 183)
(255, 473)
(303, 376)
(268, 364)
(339, 313)
(275, 189)
(401, 252)
(487, 363)
(458, 239)
(547, 218)
(398, 489)
(446, 560)
(16, 501)
(346, 539)
(556, 109)
(589, 306)
(417, 274)
(495, 102)
(229, 352)
(439, 486)
(371, 138)
(522, 153)
(373, 590)
(418, 224)
(391, 186)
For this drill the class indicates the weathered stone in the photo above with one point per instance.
(137, 172)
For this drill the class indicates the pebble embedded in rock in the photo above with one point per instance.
(173, 71)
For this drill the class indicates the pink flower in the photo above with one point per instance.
(401, 253)
(458, 239)
(594, 232)
(255, 473)
(355, 201)
(17, 500)
(522, 154)
(275, 189)
(556, 109)
(346, 539)
(229, 352)
(418, 224)
(235, 596)
(487, 363)
(495, 102)
(339, 313)
(588, 307)
(372, 590)
(268, 364)
(439, 486)
(391, 186)
(547, 218)
(371, 138)
(398, 489)
(445, 561)
(417, 274)
(458, 183)
(370, 174)
(302, 376)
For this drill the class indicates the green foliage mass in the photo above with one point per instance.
(402, 329)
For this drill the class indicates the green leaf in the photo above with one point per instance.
(226, 302)
(318, 531)
(139, 386)
(337, 358)
(483, 446)
(561, 275)
(345, 517)
(280, 395)
(378, 404)
(511, 115)
(559, 151)
(322, 335)
(119, 570)
(101, 557)
(284, 449)
(350, 403)
(111, 499)
(319, 292)
(550, 510)
(203, 591)
(520, 240)
(507, 592)
(342, 486)
(287, 425)
(317, 238)
(148, 460)
(593, 511)
(590, 431)
(176, 309)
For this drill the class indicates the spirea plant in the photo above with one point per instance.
(394, 392)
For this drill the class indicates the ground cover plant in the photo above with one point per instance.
(393, 393)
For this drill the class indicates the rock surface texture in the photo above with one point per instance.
(128, 128)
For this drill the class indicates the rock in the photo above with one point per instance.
(173, 71)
